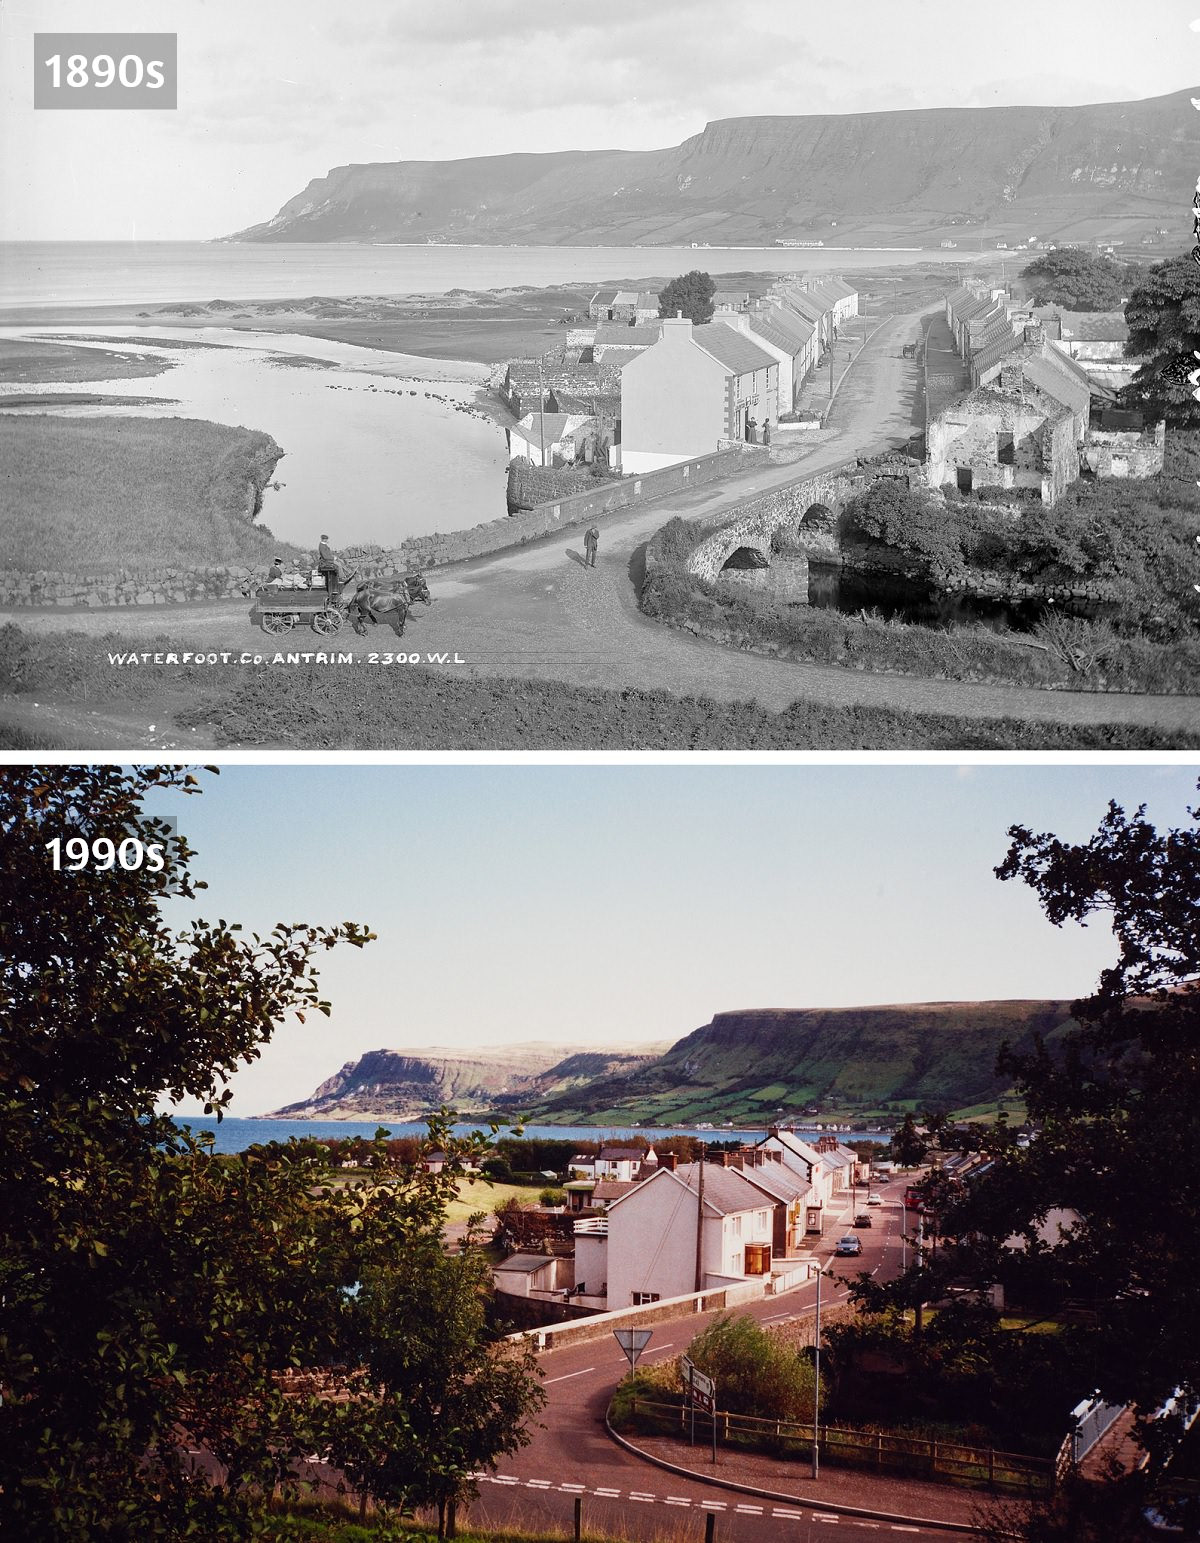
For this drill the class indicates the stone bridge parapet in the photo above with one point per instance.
(801, 514)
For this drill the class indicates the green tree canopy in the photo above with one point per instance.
(1164, 329)
(691, 295)
(151, 1291)
(1076, 280)
(1102, 1201)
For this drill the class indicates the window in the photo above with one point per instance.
(1005, 450)
(758, 1259)
(641, 1298)
(737, 1226)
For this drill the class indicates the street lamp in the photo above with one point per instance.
(816, 1462)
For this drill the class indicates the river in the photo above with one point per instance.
(377, 446)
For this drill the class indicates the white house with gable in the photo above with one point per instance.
(645, 1249)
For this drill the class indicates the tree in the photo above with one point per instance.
(146, 1288)
(1101, 1202)
(1075, 280)
(434, 1401)
(1163, 314)
(691, 295)
(909, 1146)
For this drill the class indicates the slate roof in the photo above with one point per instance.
(988, 357)
(838, 286)
(804, 305)
(732, 348)
(777, 1180)
(726, 1190)
(608, 1190)
(553, 426)
(604, 297)
(524, 1264)
(615, 1154)
(794, 1145)
(620, 334)
(1042, 373)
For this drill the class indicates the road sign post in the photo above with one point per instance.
(632, 1342)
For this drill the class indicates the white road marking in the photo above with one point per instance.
(637, 1495)
(675, 1500)
(504, 1478)
(567, 1375)
(791, 1516)
(750, 1510)
(608, 1494)
(537, 1483)
(897, 1528)
(576, 1489)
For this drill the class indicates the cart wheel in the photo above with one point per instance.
(327, 622)
(276, 622)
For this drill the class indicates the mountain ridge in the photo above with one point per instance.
(1109, 165)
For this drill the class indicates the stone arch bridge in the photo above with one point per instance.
(796, 518)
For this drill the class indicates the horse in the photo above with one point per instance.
(388, 598)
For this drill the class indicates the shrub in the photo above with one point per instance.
(552, 1197)
(754, 1373)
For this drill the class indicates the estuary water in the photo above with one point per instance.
(377, 446)
(235, 1135)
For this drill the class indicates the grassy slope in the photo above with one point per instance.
(379, 708)
(750, 1064)
(90, 494)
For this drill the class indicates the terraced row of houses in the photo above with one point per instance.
(663, 390)
(665, 1228)
(1041, 407)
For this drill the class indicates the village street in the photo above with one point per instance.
(537, 612)
(572, 1455)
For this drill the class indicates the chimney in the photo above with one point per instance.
(1034, 332)
(738, 320)
(675, 331)
(668, 1160)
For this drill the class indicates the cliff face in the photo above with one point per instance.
(1116, 168)
(407, 1085)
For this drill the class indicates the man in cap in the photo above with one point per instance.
(327, 566)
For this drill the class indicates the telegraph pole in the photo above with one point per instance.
(542, 409)
(817, 1381)
(700, 1226)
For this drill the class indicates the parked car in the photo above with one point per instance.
(874, 1198)
(849, 1245)
(863, 1219)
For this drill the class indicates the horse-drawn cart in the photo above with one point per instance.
(278, 610)
(386, 597)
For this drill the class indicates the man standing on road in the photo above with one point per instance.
(590, 542)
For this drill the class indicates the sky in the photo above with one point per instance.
(275, 92)
(592, 905)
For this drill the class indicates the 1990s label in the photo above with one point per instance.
(105, 69)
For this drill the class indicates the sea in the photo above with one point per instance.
(378, 446)
(235, 1134)
(61, 273)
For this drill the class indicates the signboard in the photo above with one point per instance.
(703, 1392)
(686, 1369)
(632, 1342)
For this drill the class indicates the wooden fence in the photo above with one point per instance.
(949, 1462)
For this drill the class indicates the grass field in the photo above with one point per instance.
(32, 360)
(374, 708)
(91, 494)
(478, 1195)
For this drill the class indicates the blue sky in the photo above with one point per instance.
(275, 93)
(595, 905)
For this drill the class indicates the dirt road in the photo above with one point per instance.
(537, 612)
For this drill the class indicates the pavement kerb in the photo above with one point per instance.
(770, 1494)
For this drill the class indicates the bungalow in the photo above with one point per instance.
(549, 439)
(623, 1163)
(627, 305)
(647, 1249)
(534, 1275)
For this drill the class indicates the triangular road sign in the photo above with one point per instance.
(632, 1342)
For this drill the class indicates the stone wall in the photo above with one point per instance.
(784, 511)
(124, 586)
(167, 585)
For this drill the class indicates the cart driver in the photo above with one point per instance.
(327, 566)
(275, 577)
